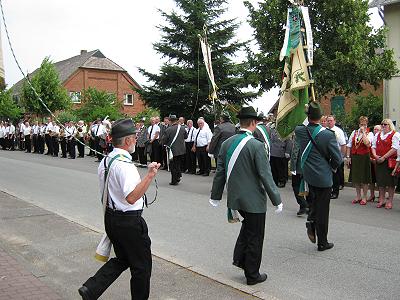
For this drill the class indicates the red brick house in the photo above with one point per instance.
(93, 69)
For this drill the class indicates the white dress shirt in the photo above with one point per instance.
(370, 137)
(203, 136)
(49, 127)
(191, 134)
(156, 129)
(2, 132)
(124, 177)
(27, 130)
(340, 138)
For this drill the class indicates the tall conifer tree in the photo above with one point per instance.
(182, 86)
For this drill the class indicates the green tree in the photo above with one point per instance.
(8, 108)
(345, 46)
(182, 86)
(48, 86)
(146, 114)
(99, 104)
(66, 116)
(370, 106)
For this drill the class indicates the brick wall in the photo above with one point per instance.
(119, 83)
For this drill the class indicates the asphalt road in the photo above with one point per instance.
(186, 230)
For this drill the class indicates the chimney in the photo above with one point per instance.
(83, 52)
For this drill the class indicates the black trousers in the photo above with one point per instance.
(319, 201)
(279, 169)
(336, 182)
(64, 147)
(203, 159)
(155, 151)
(92, 145)
(175, 167)
(190, 158)
(41, 144)
(249, 244)
(21, 143)
(81, 147)
(71, 148)
(28, 144)
(131, 242)
(98, 148)
(11, 142)
(49, 144)
(56, 145)
(341, 174)
(35, 143)
(301, 201)
(142, 155)
(2, 143)
(164, 156)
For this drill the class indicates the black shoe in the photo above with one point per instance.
(302, 211)
(85, 293)
(327, 246)
(178, 180)
(199, 173)
(341, 187)
(281, 184)
(334, 196)
(311, 231)
(261, 278)
(173, 183)
(238, 264)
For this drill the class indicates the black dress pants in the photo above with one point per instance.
(81, 147)
(155, 151)
(279, 169)
(249, 244)
(301, 201)
(56, 146)
(28, 145)
(64, 147)
(49, 144)
(203, 159)
(35, 143)
(175, 167)
(336, 182)
(319, 201)
(142, 155)
(190, 159)
(41, 144)
(71, 148)
(129, 237)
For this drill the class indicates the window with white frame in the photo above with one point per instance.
(75, 97)
(128, 99)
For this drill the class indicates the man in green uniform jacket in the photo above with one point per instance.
(320, 156)
(243, 165)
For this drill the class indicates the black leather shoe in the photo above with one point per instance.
(261, 278)
(311, 231)
(238, 264)
(199, 173)
(334, 196)
(173, 183)
(327, 246)
(302, 211)
(85, 293)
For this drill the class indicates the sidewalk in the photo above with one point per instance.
(17, 283)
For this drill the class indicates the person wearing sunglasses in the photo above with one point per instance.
(384, 147)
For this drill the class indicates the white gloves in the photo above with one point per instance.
(287, 155)
(214, 203)
(279, 208)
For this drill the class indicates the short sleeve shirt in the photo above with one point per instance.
(370, 137)
(395, 139)
(124, 177)
(153, 129)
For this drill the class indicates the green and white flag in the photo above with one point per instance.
(294, 90)
(206, 50)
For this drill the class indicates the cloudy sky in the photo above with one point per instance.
(123, 30)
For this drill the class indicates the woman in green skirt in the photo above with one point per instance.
(358, 158)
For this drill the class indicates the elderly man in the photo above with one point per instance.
(200, 146)
(243, 166)
(123, 219)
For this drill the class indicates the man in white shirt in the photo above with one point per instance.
(35, 134)
(190, 158)
(71, 140)
(201, 144)
(341, 140)
(153, 134)
(26, 133)
(54, 139)
(81, 134)
(124, 225)
(11, 137)
(100, 136)
(47, 136)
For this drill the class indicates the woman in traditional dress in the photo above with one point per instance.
(358, 157)
(384, 148)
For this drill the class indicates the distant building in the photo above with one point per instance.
(93, 69)
(390, 13)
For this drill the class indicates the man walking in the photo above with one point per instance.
(320, 157)
(174, 140)
(123, 220)
(244, 167)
